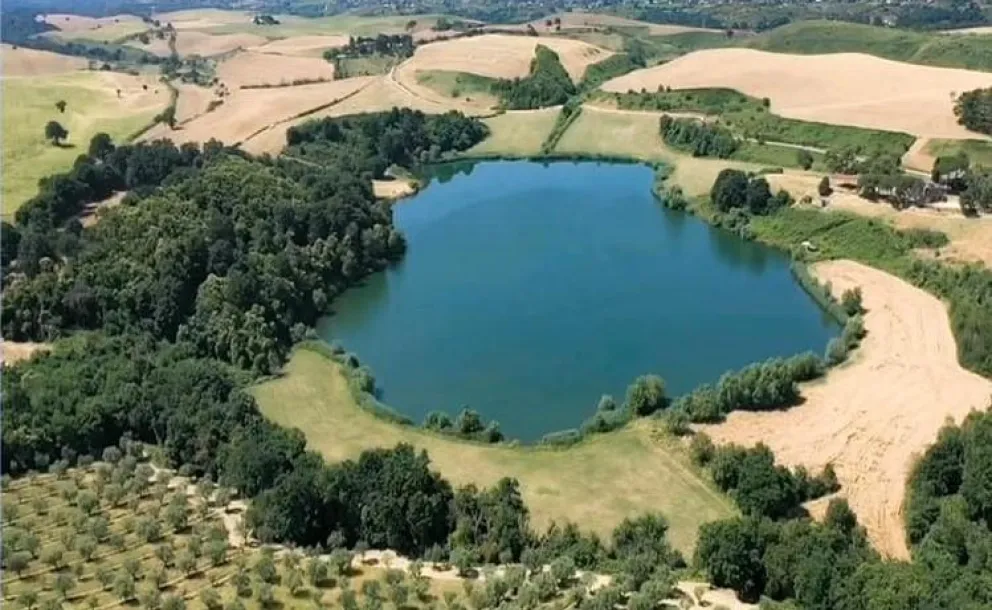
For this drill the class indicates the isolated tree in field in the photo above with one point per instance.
(824, 187)
(55, 132)
(60, 105)
(646, 395)
(804, 158)
(167, 117)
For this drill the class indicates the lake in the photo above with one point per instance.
(529, 290)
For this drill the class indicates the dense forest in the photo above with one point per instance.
(974, 110)
(548, 84)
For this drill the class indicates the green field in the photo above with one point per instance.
(978, 151)
(457, 84)
(817, 37)
(29, 103)
(772, 155)
(596, 483)
(369, 65)
(518, 133)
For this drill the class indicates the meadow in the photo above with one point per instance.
(595, 484)
(92, 106)
(979, 151)
(973, 52)
(517, 133)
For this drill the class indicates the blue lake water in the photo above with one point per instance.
(529, 290)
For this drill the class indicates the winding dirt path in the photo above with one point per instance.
(873, 416)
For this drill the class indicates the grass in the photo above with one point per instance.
(457, 84)
(516, 133)
(596, 483)
(772, 155)
(978, 151)
(634, 136)
(369, 65)
(818, 37)
(29, 103)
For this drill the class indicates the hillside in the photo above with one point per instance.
(818, 37)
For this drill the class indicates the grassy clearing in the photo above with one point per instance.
(516, 133)
(632, 135)
(451, 83)
(92, 106)
(371, 65)
(772, 155)
(978, 151)
(595, 484)
(818, 37)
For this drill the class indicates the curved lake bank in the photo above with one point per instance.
(530, 289)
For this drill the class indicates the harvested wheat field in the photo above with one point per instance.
(302, 46)
(501, 55)
(872, 417)
(247, 112)
(207, 45)
(29, 62)
(372, 94)
(841, 88)
(71, 27)
(12, 352)
(251, 69)
(205, 18)
(192, 101)
(580, 20)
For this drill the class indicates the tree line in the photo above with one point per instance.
(700, 138)
(392, 45)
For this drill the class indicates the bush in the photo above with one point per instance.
(850, 300)
(646, 395)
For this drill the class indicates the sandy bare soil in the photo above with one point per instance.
(249, 68)
(206, 45)
(872, 417)
(14, 351)
(841, 88)
(303, 46)
(374, 94)
(393, 189)
(917, 156)
(502, 55)
(248, 111)
(29, 62)
(971, 238)
(984, 29)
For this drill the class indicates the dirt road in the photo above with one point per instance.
(873, 416)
